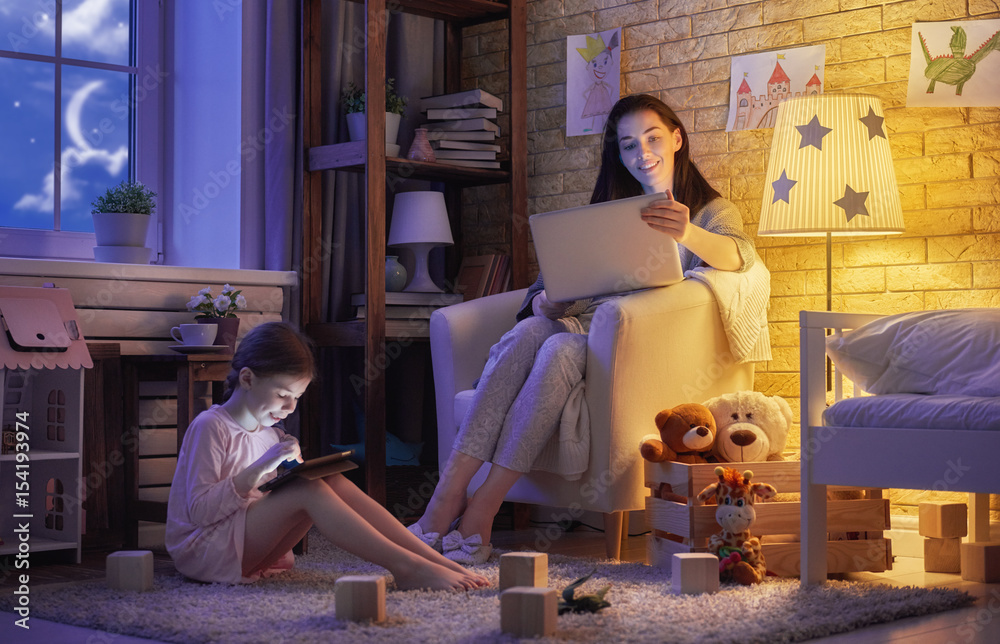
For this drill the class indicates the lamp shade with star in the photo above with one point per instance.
(830, 169)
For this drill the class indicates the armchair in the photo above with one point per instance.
(646, 351)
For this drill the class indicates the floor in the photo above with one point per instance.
(979, 623)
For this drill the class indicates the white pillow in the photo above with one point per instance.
(929, 352)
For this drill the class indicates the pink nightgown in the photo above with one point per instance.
(206, 517)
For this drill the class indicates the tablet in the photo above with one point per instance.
(602, 249)
(313, 469)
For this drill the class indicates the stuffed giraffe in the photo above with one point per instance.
(740, 553)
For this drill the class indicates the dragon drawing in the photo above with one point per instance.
(955, 68)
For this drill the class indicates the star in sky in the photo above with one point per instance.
(813, 133)
(781, 188)
(874, 124)
(853, 203)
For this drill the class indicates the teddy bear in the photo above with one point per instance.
(751, 426)
(686, 435)
(740, 556)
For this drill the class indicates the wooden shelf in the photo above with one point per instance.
(352, 156)
(466, 12)
(352, 333)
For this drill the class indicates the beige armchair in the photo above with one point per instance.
(646, 351)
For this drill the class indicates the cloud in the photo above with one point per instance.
(73, 156)
(94, 25)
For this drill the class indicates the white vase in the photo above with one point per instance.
(120, 228)
(356, 127)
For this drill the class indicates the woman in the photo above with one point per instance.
(534, 367)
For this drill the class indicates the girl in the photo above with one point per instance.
(221, 528)
(534, 367)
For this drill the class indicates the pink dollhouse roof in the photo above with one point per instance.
(779, 75)
(40, 330)
(744, 88)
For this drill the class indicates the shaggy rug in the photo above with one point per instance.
(297, 606)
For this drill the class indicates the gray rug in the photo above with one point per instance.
(297, 606)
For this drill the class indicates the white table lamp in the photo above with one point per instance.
(420, 223)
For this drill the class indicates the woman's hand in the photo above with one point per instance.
(542, 306)
(285, 450)
(668, 216)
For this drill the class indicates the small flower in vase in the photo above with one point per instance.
(223, 306)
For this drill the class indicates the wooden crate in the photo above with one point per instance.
(686, 527)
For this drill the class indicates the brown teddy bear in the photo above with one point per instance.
(687, 435)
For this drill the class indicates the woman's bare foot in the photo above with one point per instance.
(442, 510)
(422, 574)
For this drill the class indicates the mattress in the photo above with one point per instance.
(915, 411)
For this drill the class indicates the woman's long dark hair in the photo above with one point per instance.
(272, 349)
(615, 181)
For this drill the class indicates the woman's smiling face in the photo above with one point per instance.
(646, 146)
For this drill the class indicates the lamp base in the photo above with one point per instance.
(421, 282)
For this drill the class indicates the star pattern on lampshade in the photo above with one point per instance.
(813, 133)
(853, 203)
(873, 122)
(782, 187)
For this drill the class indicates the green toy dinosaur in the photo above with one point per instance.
(957, 68)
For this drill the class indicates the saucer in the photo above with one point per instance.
(199, 348)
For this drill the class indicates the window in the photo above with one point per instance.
(76, 77)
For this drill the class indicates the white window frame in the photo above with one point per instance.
(150, 76)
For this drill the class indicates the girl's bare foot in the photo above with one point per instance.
(420, 573)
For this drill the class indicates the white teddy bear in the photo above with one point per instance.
(751, 426)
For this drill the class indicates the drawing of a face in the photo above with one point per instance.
(599, 65)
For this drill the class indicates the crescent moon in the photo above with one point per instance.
(74, 110)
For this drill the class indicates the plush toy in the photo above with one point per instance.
(687, 433)
(751, 426)
(739, 553)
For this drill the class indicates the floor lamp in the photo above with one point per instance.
(830, 172)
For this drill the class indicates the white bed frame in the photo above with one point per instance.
(919, 459)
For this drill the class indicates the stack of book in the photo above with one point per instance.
(483, 275)
(462, 129)
(405, 305)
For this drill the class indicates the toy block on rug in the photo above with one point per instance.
(942, 520)
(360, 598)
(981, 561)
(694, 572)
(524, 569)
(130, 570)
(942, 555)
(529, 612)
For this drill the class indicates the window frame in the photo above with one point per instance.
(146, 85)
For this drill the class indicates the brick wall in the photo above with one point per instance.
(947, 159)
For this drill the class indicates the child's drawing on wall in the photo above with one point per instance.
(953, 64)
(593, 86)
(760, 82)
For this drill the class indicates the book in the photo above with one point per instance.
(471, 164)
(461, 113)
(412, 298)
(313, 469)
(473, 135)
(463, 145)
(462, 125)
(402, 311)
(467, 98)
(487, 155)
(474, 276)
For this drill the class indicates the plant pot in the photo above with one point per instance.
(122, 254)
(356, 127)
(229, 329)
(121, 228)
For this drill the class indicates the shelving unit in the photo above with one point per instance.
(359, 157)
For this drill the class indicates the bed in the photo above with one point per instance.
(950, 443)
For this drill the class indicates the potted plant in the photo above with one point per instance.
(121, 220)
(353, 100)
(221, 311)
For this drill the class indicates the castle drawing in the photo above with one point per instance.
(760, 111)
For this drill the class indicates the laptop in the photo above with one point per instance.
(602, 249)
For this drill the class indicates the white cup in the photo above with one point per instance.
(195, 334)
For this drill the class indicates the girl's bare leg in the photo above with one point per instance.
(449, 498)
(271, 522)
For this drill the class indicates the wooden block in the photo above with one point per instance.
(695, 572)
(524, 569)
(529, 612)
(942, 555)
(943, 520)
(130, 570)
(360, 598)
(981, 561)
